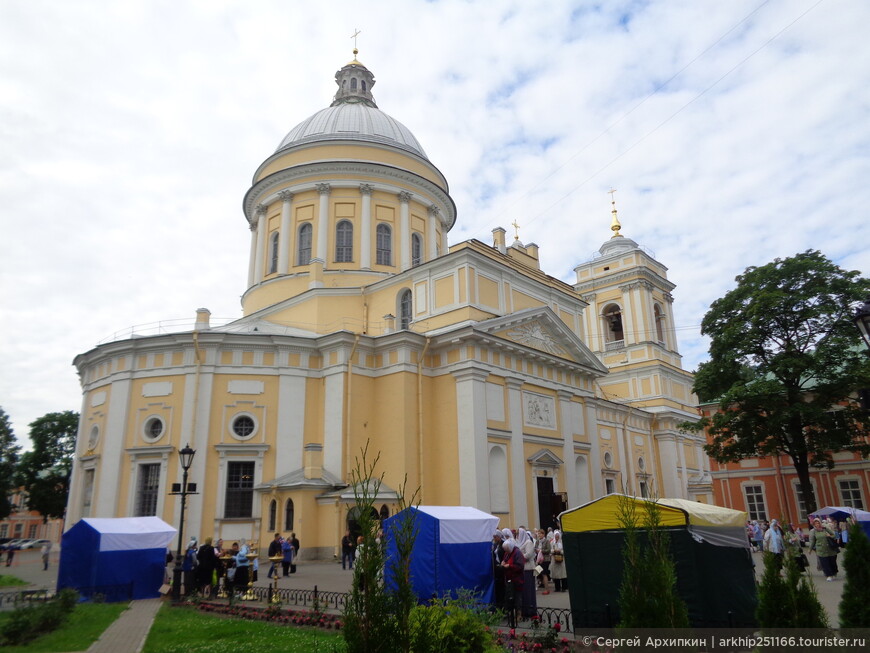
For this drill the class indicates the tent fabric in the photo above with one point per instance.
(451, 551)
(841, 512)
(131, 533)
(705, 556)
(101, 555)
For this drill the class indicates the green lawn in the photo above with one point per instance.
(184, 630)
(85, 625)
(11, 581)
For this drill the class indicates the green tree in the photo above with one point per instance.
(788, 601)
(44, 471)
(8, 463)
(785, 365)
(855, 604)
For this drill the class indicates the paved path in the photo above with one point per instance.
(130, 630)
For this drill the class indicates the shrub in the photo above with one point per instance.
(27, 623)
(855, 604)
(460, 625)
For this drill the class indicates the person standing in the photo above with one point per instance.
(188, 567)
(542, 547)
(497, 557)
(527, 548)
(274, 550)
(287, 552)
(513, 563)
(557, 564)
(207, 564)
(46, 552)
(774, 541)
(243, 565)
(824, 549)
(347, 548)
(295, 542)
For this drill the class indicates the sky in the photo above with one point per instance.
(733, 132)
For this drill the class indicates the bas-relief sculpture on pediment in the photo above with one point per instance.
(535, 335)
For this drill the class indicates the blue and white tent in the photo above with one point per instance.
(452, 550)
(98, 554)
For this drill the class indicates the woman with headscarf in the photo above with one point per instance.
(188, 567)
(205, 570)
(527, 547)
(774, 541)
(557, 563)
(513, 563)
(821, 544)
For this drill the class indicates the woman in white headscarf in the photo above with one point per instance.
(527, 547)
(557, 563)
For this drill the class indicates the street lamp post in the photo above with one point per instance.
(862, 321)
(186, 457)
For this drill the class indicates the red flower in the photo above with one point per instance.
(557, 626)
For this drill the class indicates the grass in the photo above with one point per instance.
(11, 581)
(184, 630)
(85, 625)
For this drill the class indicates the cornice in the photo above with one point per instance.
(658, 281)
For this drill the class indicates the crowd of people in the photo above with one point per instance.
(824, 538)
(210, 567)
(524, 562)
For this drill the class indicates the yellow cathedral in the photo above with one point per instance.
(488, 382)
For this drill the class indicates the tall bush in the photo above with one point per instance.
(855, 603)
(788, 601)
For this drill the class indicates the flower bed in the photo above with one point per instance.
(274, 614)
(541, 638)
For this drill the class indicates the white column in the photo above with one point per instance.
(252, 259)
(670, 332)
(629, 328)
(568, 454)
(107, 479)
(261, 243)
(591, 418)
(432, 228)
(323, 222)
(284, 235)
(200, 403)
(404, 230)
(291, 423)
(471, 436)
(518, 458)
(365, 236)
(669, 461)
(333, 420)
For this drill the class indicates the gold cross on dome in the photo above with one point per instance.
(516, 230)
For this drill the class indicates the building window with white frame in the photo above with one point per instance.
(88, 492)
(384, 245)
(289, 514)
(801, 501)
(273, 512)
(755, 501)
(273, 258)
(416, 249)
(850, 490)
(239, 497)
(344, 242)
(244, 427)
(614, 337)
(405, 310)
(147, 489)
(303, 247)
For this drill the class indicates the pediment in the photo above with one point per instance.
(546, 458)
(540, 329)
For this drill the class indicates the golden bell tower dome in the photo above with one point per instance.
(348, 197)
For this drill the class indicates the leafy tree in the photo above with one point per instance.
(785, 363)
(45, 470)
(8, 461)
(855, 604)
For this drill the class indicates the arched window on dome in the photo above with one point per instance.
(363, 83)
(416, 249)
(659, 318)
(273, 259)
(344, 242)
(614, 337)
(303, 255)
(353, 83)
(404, 309)
(384, 237)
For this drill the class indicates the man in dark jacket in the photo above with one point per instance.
(274, 550)
(295, 542)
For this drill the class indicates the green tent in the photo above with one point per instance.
(714, 567)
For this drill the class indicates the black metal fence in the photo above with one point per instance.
(97, 593)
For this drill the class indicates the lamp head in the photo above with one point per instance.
(186, 455)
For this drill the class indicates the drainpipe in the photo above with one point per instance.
(420, 414)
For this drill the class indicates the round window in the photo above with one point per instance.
(94, 436)
(153, 428)
(244, 426)
(641, 463)
(608, 459)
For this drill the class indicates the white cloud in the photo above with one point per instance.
(130, 132)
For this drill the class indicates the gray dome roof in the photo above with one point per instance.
(355, 121)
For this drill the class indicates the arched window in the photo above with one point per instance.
(416, 249)
(288, 515)
(404, 309)
(353, 83)
(273, 514)
(613, 333)
(363, 82)
(385, 512)
(344, 242)
(660, 318)
(304, 245)
(273, 259)
(384, 245)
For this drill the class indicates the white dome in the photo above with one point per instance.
(355, 121)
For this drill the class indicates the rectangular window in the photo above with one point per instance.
(87, 492)
(609, 486)
(31, 532)
(146, 494)
(643, 490)
(851, 493)
(4, 530)
(755, 501)
(19, 529)
(239, 498)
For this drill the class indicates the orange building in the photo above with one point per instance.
(24, 523)
(768, 488)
